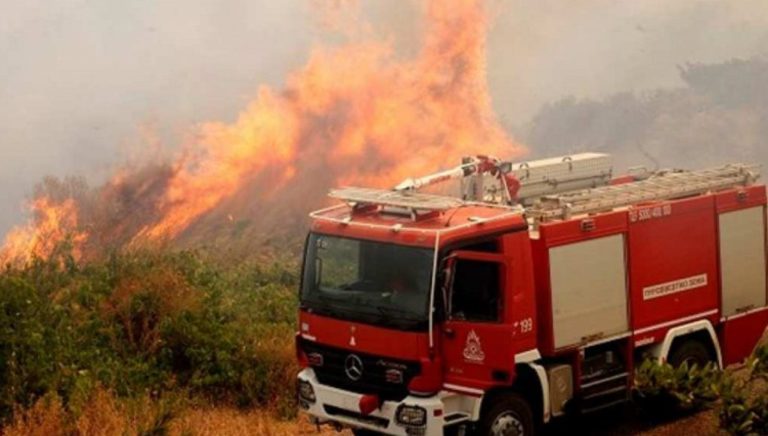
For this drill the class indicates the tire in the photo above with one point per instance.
(691, 351)
(508, 415)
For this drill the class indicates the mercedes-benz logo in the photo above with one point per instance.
(353, 366)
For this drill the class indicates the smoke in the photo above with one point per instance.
(83, 84)
(544, 50)
(80, 81)
(355, 113)
(719, 115)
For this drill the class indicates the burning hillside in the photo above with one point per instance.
(353, 114)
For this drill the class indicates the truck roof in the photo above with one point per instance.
(412, 218)
(421, 219)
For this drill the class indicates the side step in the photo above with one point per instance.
(604, 393)
(456, 418)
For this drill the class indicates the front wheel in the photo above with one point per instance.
(508, 415)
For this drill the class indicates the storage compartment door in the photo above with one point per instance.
(589, 290)
(742, 260)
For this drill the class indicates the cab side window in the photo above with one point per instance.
(475, 294)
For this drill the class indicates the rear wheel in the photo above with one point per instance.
(690, 351)
(508, 415)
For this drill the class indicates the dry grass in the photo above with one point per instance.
(230, 422)
(105, 415)
(163, 293)
(46, 417)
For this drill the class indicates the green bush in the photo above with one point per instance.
(677, 389)
(744, 409)
(147, 323)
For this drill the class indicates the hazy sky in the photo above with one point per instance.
(79, 78)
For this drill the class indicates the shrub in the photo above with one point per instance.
(34, 342)
(744, 409)
(147, 323)
(677, 389)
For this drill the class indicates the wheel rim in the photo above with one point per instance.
(507, 424)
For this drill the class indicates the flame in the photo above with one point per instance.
(52, 224)
(355, 114)
(264, 135)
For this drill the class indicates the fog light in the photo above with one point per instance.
(306, 392)
(411, 416)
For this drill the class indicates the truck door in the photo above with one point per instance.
(477, 343)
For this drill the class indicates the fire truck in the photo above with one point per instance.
(532, 293)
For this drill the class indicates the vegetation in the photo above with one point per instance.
(677, 389)
(158, 328)
(745, 398)
(154, 342)
(740, 395)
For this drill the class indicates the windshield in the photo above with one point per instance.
(365, 281)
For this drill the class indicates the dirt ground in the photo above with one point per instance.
(632, 421)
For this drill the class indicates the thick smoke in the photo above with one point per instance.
(355, 113)
(78, 79)
(720, 115)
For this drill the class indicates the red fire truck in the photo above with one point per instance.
(533, 294)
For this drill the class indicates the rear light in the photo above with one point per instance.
(306, 392)
(412, 416)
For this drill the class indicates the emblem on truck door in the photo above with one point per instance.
(353, 367)
(473, 350)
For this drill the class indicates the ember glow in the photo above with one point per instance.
(355, 114)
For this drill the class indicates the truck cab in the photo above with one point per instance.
(409, 317)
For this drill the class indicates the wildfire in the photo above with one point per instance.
(354, 114)
(52, 224)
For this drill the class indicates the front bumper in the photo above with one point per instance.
(342, 407)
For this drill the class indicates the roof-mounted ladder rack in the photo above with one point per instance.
(661, 186)
(413, 204)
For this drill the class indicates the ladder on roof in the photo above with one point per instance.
(412, 204)
(661, 186)
(401, 199)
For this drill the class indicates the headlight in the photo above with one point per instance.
(411, 416)
(306, 392)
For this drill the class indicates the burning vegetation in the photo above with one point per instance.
(353, 114)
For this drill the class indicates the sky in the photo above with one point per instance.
(85, 84)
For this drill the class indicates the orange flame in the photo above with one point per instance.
(52, 224)
(354, 114)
